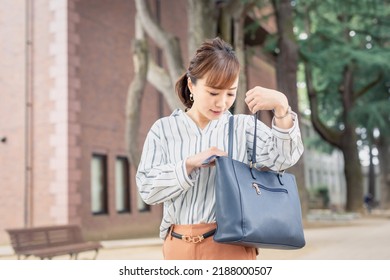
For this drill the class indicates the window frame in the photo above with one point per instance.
(127, 189)
(104, 191)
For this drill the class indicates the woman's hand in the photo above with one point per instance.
(260, 98)
(197, 160)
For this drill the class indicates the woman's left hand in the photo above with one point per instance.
(260, 98)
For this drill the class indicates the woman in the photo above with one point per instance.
(173, 170)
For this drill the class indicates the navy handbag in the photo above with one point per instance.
(256, 208)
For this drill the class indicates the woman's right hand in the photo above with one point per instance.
(197, 160)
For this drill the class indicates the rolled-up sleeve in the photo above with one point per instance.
(276, 148)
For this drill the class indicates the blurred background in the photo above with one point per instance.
(82, 81)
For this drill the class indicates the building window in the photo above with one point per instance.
(122, 185)
(99, 184)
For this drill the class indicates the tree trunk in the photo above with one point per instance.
(239, 46)
(371, 174)
(352, 165)
(287, 59)
(201, 23)
(353, 170)
(225, 24)
(384, 161)
(286, 75)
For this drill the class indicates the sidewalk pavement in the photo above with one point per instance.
(328, 236)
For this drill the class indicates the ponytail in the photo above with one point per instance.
(183, 91)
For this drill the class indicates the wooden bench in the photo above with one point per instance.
(50, 241)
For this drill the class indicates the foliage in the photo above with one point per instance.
(340, 34)
(344, 46)
(322, 193)
(372, 112)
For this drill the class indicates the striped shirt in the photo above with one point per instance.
(189, 198)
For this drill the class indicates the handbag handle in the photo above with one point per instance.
(253, 159)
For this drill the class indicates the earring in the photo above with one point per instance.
(191, 97)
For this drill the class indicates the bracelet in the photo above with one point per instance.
(285, 115)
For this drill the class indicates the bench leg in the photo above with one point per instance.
(94, 258)
(96, 253)
(20, 256)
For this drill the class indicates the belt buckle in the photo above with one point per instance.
(192, 239)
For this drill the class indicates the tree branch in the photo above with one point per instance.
(159, 78)
(330, 135)
(369, 86)
(134, 95)
(166, 41)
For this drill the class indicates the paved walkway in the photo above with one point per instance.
(361, 239)
(366, 238)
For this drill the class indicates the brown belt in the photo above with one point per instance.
(193, 239)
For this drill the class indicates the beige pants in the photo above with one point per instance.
(207, 249)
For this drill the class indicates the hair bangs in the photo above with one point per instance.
(223, 73)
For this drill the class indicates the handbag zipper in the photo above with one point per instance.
(257, 187)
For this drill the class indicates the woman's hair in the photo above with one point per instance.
(215, 58)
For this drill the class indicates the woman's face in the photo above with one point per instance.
(210, 103)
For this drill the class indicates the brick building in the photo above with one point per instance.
(65, 70)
